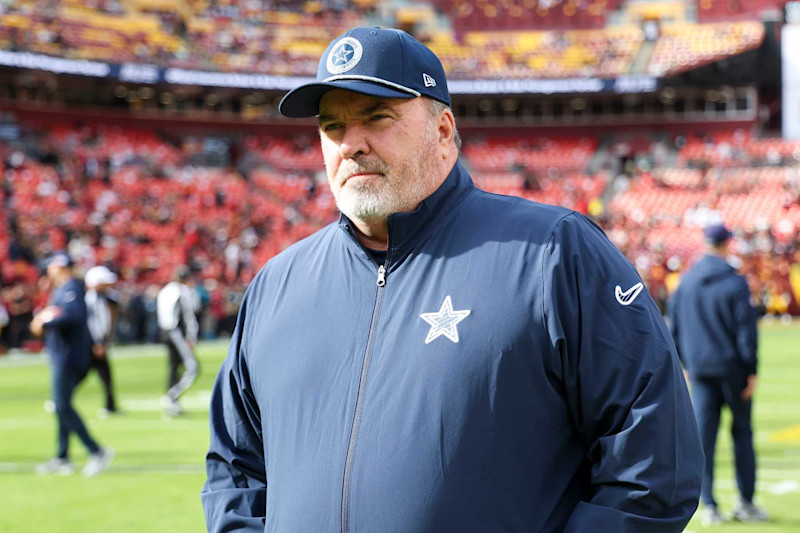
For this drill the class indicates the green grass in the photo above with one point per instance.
(154, 483)
(777, 438)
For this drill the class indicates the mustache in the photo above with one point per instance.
(361, 166)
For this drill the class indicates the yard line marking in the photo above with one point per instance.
(779, 488)
(128, 351)
(784, 487)
(25, 468)
(199, 400)
(46, 424)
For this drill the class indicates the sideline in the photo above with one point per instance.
(118, 351)
(193, 469)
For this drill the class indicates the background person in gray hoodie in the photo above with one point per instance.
(714, 327)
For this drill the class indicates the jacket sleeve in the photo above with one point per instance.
(747, 330)
(234, 496)
(623, 386)
(72, 311)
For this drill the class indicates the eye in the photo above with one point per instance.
(378, 117)
(331, 127)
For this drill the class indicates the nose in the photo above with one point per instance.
(354, 142)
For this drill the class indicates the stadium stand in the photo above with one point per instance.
(716, 10)
(751, 184)
(144, 200)
(684, 46)
(286, 38)
(469, 15)
(135, 201)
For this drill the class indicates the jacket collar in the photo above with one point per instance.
(406, 228)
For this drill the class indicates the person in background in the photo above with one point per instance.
(714, 326)
(175, 307)
(101, 307)
(68, 343)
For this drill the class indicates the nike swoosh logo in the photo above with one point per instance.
(627, 297)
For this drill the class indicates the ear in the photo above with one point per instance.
(447, 128)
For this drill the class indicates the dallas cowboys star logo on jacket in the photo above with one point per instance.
(444, 321)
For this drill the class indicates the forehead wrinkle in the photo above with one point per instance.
(366, 109)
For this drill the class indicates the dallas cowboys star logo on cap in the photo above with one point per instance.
(444, 322)
(344, 55)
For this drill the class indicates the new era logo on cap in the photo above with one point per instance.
(428, 81)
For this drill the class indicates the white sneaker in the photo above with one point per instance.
(49, 407)
(749, 512)
(56, 466)
(98, 462)
(710, 516)
(171, 407)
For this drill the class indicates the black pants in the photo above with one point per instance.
(180, 355)
(65, 380)
(100, 364)
(709, 395)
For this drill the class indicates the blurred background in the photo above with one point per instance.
(144, 134)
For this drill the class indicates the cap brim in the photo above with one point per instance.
(303, 101)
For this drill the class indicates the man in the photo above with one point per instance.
(66, 337)
(178, 324)
(442, 359)
(101, 307)
(714, 327)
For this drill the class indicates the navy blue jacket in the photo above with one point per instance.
(493, 383)
(713, 322)
(66, 337)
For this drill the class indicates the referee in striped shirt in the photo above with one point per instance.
(101, 303)
(175, 306)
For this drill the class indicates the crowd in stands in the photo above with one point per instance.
(143, 202)
(684, 46)
(716, 10)
(753, 185)
(141, 205)
(605, 53)
(468, 15)
(536, 39)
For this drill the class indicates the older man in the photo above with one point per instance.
(442, 359)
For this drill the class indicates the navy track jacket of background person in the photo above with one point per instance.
(67, 336)
(712, 321)
(550, 406)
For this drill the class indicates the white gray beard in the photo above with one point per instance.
(399, 191)
(371, 204)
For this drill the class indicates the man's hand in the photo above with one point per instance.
(99, 351)
(36, 326)
(750, 389)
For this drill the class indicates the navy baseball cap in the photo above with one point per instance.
(380, 62)
(61, 259)
(716, 234)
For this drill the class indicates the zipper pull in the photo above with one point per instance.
(381, 276)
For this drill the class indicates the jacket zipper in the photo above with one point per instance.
(362, 385)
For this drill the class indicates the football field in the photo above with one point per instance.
(155, 481)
